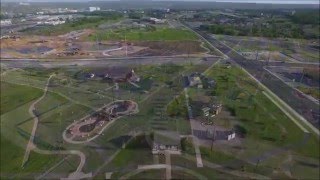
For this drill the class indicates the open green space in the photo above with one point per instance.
(11, 159)
(14, 138)
(259, 122)
(157, 34)
(64, 103)
(11, 97)
(150, 174)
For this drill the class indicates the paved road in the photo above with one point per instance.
(100, 62)
(305, 107)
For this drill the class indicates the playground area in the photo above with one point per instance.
(92, 126)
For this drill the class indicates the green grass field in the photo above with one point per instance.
(264, 126)
(10, 98)
(13, 140)
(160, 34)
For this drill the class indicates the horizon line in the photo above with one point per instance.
(291, 2)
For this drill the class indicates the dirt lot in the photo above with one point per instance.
(74, 45)
(265, 55)
(170, 47)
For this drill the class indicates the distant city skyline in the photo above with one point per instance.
(235, 1)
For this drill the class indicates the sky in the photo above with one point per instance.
(274, 1)
(242, 1)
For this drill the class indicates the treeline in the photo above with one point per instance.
(306, 17)
(104, 14)
(94, 18)
(271, 30)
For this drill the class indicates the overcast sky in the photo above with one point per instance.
(248, 1)
(275, 1)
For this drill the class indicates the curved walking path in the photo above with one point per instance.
(106, 52)
(31, 146)
(126, 113)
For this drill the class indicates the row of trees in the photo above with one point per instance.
(272, 30)
(306, 17)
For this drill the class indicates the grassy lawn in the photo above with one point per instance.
(11, 159)
(190, 171)
(159, 34)
(55, 114)
(11, 96)
(150, 174)
(137, 152)
(30, 78)
(13, 141)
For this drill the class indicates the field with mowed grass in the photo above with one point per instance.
(158, 34)
(70, 98)
(265, 134)
(15, 101)
(10, 98)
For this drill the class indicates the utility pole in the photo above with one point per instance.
(302, 75)
(212, 139)
(268, 54)
(112, 93)
(125, 41)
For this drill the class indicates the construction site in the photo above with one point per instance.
(125, 39)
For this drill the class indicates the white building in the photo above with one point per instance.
(54, 22)
(91, 9)
(157, 21)
(6, 22)
(24, 4)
